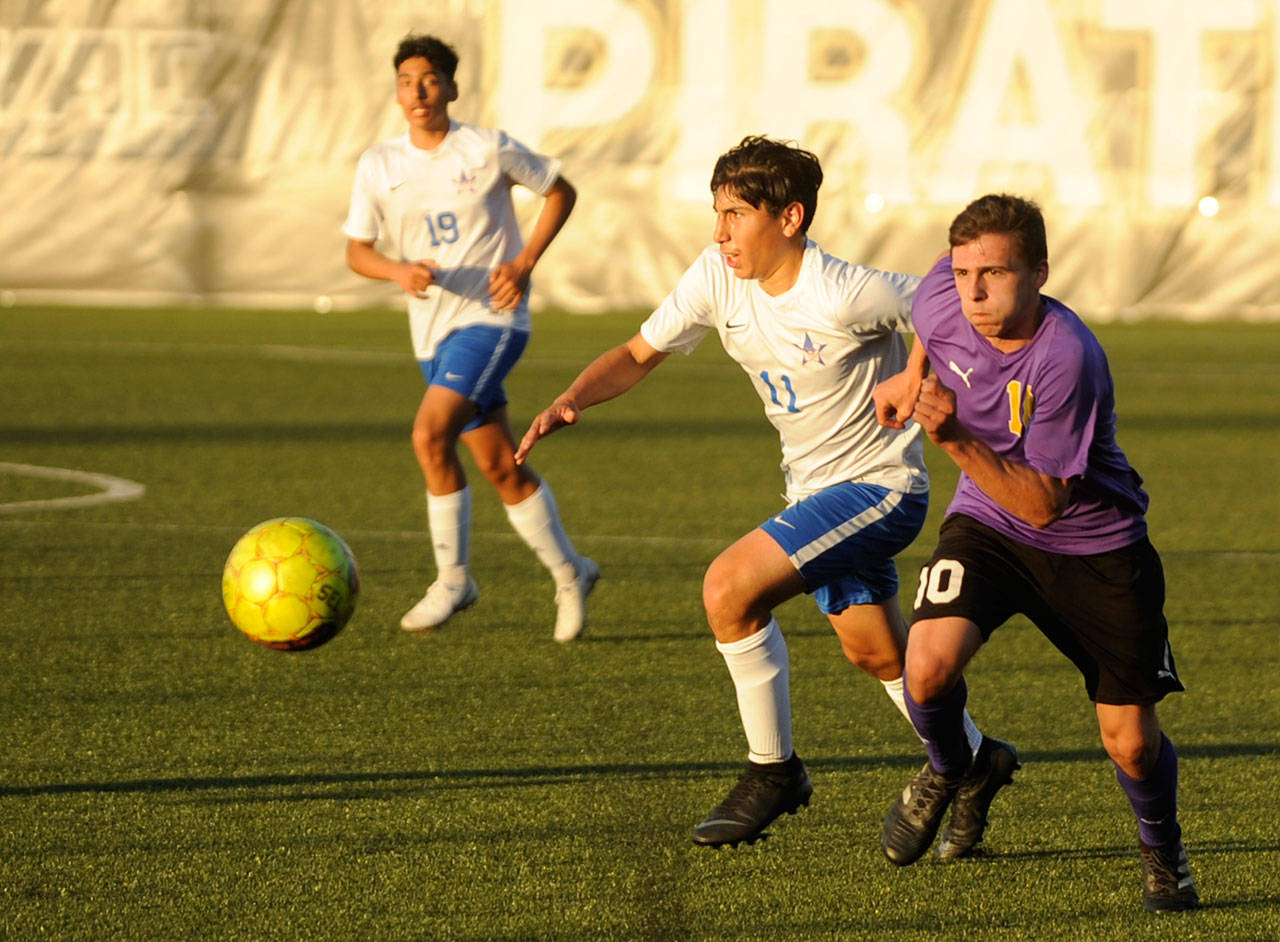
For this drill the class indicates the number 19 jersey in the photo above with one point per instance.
(451, 205)
(814, 354)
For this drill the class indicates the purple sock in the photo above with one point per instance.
(1155, 798)
(940, 722)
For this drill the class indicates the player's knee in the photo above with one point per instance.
(879, 661)
(1131, 751)
(430, 442)
(513, 482)
(722, 597)
(928, 676)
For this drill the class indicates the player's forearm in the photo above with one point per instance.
(364, 259)
(556, 207)
(1021, 490)
(917, 367)
(609, 375)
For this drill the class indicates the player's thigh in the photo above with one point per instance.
(441, 417)
(1106, 613)
(473, 362)
(974, 574)
(749, 578)
(873, 636)
(842, 541)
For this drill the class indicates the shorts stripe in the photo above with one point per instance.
(834, 537)
(495, 359)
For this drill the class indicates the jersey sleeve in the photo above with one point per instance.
(876, 301)
(364, 217)
(935, 299)
(686, 314)
(1066, 400)
(523, 166)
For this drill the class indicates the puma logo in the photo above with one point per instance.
(963, 374)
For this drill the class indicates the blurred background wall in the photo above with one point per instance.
(154, 151)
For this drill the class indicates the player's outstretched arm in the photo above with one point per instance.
(509, 281)
(609, 375)
(895, 398)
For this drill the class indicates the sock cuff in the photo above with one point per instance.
(446, 503)
(538, 504)
(759, 639)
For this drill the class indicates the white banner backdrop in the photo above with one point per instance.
(168, 150)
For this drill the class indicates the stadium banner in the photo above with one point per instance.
(204, 150)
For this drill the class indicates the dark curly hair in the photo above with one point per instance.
(770, 175)
(436, 51)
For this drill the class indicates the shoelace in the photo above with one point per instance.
(929, 789)
(1163, 874)
(744, 793)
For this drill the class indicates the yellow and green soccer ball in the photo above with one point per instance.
(290, 583)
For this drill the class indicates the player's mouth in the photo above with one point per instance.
(731, 259)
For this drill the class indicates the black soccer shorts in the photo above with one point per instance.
(1105, 612)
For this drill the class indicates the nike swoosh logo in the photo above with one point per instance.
(730, 325)
(452, 377)
(780, 521)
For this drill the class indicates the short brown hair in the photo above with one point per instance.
(770, 175)
(1018, 218)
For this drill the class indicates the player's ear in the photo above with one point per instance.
(1042, 273)
(792, 219)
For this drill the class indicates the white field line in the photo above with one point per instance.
(618, 539)
(281, 352)
(112, 488)
(408, 536)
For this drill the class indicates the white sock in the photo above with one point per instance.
(761, 669)
(972, 733)
(536, 520)
(894, 689)
(449, 519)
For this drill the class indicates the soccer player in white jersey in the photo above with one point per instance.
(439, 199)
(814, 335)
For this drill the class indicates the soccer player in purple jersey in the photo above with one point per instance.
(1047, 520)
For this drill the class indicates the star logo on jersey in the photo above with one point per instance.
(466, 181)
(812, 351)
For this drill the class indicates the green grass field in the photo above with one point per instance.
(165, 778)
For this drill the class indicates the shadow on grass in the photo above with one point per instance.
(539, 776)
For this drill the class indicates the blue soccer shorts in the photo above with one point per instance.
(473, 362)
(843, 539)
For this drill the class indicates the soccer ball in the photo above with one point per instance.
(290, 583)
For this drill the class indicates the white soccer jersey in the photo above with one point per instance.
(814, 354)
(451, 205)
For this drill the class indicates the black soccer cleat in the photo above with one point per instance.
(992, 769)
(912, 822)
(763, 793)
(1167, 886)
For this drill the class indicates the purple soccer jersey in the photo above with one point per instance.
(1050, 406)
